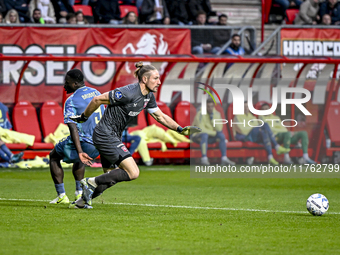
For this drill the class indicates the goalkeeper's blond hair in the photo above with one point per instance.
(143, 70)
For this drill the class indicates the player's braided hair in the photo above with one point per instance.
(143, 70)
(76, 75)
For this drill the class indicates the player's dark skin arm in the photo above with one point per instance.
(75, 138)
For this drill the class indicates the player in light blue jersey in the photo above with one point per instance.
(78, 147)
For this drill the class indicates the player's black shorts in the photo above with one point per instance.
(111, 149)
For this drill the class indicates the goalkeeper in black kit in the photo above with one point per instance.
(123, 104)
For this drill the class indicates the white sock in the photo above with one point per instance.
(77, 192)
(270, 156)
(305, 156)
(286, 157)
(92, 182)
(277, 147)
(224, 158)
(204, 158)
(62, 194)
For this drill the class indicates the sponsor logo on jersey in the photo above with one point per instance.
(145, 104)
(118, 95)
(131, 113)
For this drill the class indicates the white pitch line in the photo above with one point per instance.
(178, 206)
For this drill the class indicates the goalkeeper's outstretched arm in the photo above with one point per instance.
(91, 107)
(165, 120)
(168, 122)
(95, 103)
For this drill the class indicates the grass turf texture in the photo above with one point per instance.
(30, 225)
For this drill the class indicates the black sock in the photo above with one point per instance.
(109, 179)
(99, 190)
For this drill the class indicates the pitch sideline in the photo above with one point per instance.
(179, 206)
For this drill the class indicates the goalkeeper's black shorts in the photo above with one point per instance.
(111, 149)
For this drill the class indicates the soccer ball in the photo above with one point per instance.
(317, 204)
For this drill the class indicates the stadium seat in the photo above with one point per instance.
(332, 124)
(184, 113)
(86, 9)
(165, 109)
(15, 146)
(51, 115)
(124, 9)
(25, 120)
(290, 15)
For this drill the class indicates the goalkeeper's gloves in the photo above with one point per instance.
(79, 118)
(188, 130)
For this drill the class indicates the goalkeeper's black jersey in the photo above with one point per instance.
(125, 104)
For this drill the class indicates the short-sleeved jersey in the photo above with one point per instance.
(125, 104)
(4, 122)
(76, 105)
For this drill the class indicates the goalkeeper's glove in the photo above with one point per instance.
(188, 130)
(79, 118)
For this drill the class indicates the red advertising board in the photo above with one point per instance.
(44, 81)
(310, 42)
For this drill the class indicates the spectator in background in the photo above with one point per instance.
(283, 136)
(262, 135)
(80, 18)
(127, 2)
(12, 17)
(220, 36)
(107, 11)
(61, 8)
(2, 9)
(154, 12)
(285, 4)
(194, 6)
(210, 134)
(139, 4)
(71, 19)
(21, 7)
(46, 10)
(308, 14)
(36, 17)
(178, 12)
(201, 40)
(326, 20)
(83, 2)
(332, 8)
(5, 153)
(235, 47)
(130, 19)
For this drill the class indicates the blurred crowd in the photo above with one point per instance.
(159, 12)
(311, 12)
(177, 12)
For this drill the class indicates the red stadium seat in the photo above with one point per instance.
(290, 15)
(165, 109)
(124, 9)
(86, 9)
(184, 113)
(51, 115)
(25, 120)
(333, 122)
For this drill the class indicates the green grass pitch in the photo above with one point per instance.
(165, 211)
